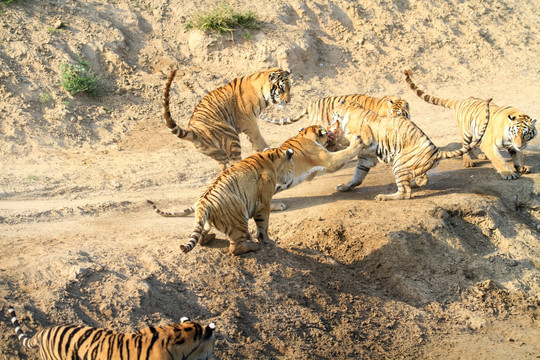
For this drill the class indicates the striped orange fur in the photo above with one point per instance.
(509, 128)
(394, 140)
(223, 113)
(187, 340)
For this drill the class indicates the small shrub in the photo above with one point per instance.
(80, 78)
(222, 19)
(45, 98)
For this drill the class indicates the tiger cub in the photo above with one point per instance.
(394, 140)
(508, 129)
(320, 111)
(223, 113)
(187, 340)
(241, 192)
(310, 158)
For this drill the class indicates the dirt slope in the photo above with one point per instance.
(452, 273)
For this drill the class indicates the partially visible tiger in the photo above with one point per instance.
(320, 111)
(187, 340)
(241, 192)
(310, 158)
(508, 129)
(393, 140)
(224, 113)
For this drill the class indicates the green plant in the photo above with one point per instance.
(222, 19)
(45, 98)
(81, 78)
(6, 1)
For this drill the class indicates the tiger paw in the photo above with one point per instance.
(343, 188)
(243, 247)
(467, 162)
(508, 175)
(205, 239)
(277, 206)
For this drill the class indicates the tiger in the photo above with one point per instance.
(186, 340)
(320, 111)
(241, 192)
(393, 140)
(225, 112)
(509, 129)
(310, 158)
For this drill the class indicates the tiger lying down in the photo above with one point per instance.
(245, 190)
(394, 140)
(185, 341)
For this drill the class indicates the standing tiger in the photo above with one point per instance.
(393, 140)
(241, 192)
(310, 158)
(508, 129)
(320, 111)
(187, 340)
(223, 113)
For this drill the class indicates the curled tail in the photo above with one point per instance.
(285, 121)
(428, 98)
(183, 213)
(175, 129)
(20, 334)
(469, 147)
(196, 234)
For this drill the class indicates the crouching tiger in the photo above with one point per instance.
(187, 340)
(239, 193)
(393, 140)
(508, 129)
(320, 111)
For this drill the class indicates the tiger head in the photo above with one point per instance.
(278, 88)
(398, 107)
(521, 129)
(190, 340)
(316, 133)
(283, 163)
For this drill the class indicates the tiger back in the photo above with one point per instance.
(239, 193)
(320, 111)
(394, 140)
(224, 113)
(509, 128)
(187, 340)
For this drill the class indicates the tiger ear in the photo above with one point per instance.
(390, 102)
(322, 132)
(273, 77)
(511, 118)
(288, 72)
(290, 153)
(184, 319)
(300, 129)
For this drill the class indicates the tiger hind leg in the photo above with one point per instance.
(205, 236)
(421, 180)
(403, 181)
(363, 165)
(239, 243)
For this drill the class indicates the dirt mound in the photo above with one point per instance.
(450, 273)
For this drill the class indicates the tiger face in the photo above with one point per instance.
(279, 87)
(521, 129)
(190, 340)
(398, 107)
(316, 133)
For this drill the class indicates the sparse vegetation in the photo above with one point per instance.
(81, 78)
(222, 19)
(45, 98)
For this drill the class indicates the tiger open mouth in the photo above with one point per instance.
(334, 134)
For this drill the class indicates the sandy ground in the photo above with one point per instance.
(452, 273)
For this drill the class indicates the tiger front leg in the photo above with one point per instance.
(494, 155)
(363, 165)
(517, 160)
(255, 137)
(239, 243)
